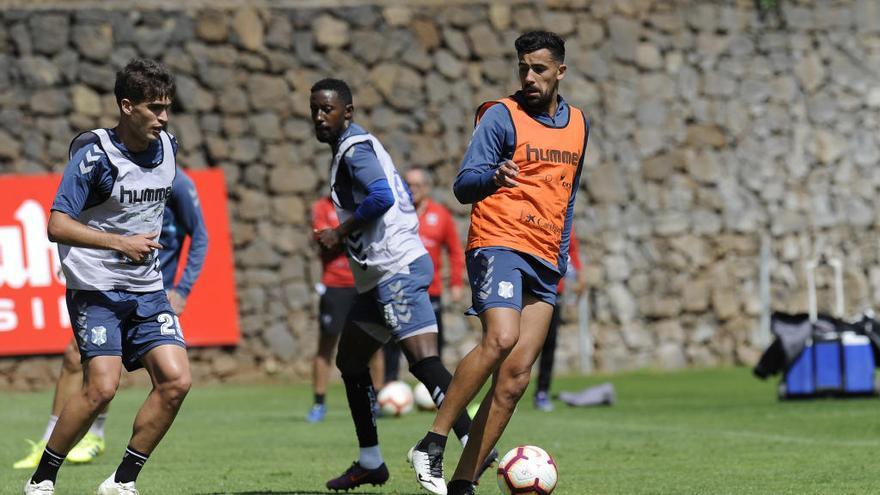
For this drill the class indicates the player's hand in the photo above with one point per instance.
(457, 293)
(138, 247)
(329, 240)
(177, 300)
(505, 174)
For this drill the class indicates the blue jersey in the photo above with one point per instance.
(110, 189)
(183, 217)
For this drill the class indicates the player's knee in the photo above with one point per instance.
(174, 391)
(511, 387)
(101, 392)
(499, 343)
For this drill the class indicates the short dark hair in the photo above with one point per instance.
(338, 85)
(536, 40)
(143, 79)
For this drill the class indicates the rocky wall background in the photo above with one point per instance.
(714, 126)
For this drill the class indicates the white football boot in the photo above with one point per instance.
(429, 468)
(112, 487)
(45, 487)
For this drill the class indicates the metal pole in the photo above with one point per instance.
(811, 288)
(585, 339)
(838, 286)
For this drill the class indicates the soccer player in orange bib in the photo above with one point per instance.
(520, 173)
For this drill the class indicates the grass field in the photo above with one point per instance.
(694, 432)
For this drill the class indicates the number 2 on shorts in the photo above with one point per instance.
(170, 324)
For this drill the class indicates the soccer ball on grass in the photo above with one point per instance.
(423, 398)
(395, 398)
(527, 470)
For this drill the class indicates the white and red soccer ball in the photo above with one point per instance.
(424, 401)
(395, 398)
(527, 470)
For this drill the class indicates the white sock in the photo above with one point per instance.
(49, 427)
(371, 457)
(97, 427)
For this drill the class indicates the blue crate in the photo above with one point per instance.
(858, 359)
(799, 379)
(827, 365)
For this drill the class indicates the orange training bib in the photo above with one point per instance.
(530, 218)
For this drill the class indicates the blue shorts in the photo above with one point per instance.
(399, 306)
(122, 323)
(499, 277)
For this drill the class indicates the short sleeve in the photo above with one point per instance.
(88, 180)
(365, 168)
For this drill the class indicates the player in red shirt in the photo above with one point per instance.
(545, 366)
(337, 295)
(438, 233)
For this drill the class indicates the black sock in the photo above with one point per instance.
(432, 438)
(361, 398)
(458, 486)
(130, 467)
(437, 378)
(319, 399)
(47, 469)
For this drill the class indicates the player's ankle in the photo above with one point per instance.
(432, 438)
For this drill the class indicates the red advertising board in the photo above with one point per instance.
(33, 316)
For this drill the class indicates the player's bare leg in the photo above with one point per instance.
(100, 381)
(69, 381)
(501, 332)
(169, 371)
(422, 354)
(509, 383)
(469, 377)
(356, 348)
(168, 367)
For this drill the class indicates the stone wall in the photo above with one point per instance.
(712, 127)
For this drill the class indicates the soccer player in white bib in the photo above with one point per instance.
(105, 218)
(379, 230)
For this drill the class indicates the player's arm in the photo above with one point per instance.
(455, 253)
(86, 183)
(188, 212)
(366, 172)
(486, 165)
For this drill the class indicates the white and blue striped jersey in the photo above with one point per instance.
(110, 189)
(386, 246)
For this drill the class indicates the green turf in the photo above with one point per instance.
(694, 432)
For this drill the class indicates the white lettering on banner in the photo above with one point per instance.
(8, 318)
(41, 253)
(38, 314)
(42, 256)
(12, 270)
